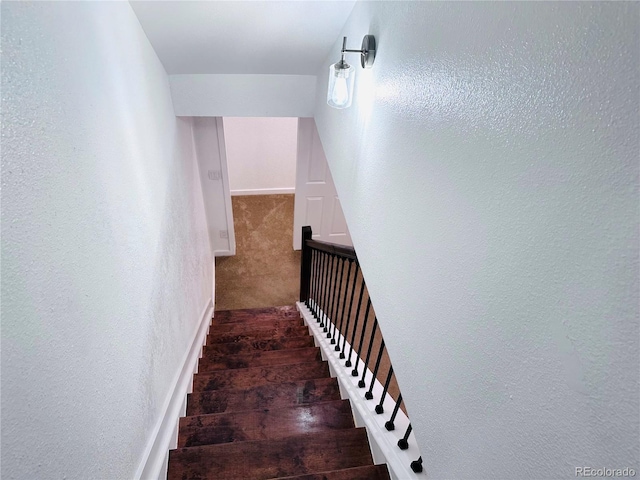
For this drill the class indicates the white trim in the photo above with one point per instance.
(383, 443)
(303, 159)
(225, 186)
(263, 191)
(164, 436)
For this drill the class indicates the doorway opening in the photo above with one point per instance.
(278, 181)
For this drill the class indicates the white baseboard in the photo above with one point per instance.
(154, 460)
(263, 191)
(383, 443)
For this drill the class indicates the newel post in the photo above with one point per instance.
(305, 265)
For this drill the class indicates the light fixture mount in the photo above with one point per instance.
(367, 51)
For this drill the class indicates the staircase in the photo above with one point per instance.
(264, 406)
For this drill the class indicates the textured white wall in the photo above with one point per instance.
(106, 264)
(261, 152)
(243, 95)
(488, 170)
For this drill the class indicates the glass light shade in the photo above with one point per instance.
(340, 90)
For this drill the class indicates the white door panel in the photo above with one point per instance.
(316, 202)
(313, 214)
(338, 222)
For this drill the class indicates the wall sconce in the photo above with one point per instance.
(341, 74)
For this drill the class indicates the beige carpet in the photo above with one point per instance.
(265, 272)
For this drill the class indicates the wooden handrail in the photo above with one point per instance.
(333, 248)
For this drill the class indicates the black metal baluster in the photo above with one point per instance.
(355, 325)
(317, 288)
(327, 279)
(334, 311)
(336, 306)
(325, 300)
(316, 293)
(323, 288)
(379, 407)
(328, 295)
(312, 291)
(325, 320)
(369, 394)
(332, 302)
(361, 383)
(403, 443)
(389, 425)
(344, 304)
(353, 291)
(354, 372)
(416, 465)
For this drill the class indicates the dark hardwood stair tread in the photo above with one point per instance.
(254, 376)
(264, 423)
(263, 406)
(266, 459)
(264, 344)
(226, 316)
(369, 472)
(261, 334)
(243, 327)
(264, 396)
(211, 362)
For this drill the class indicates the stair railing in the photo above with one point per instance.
(334, 291)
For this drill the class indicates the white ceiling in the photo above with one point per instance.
(246, 37)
